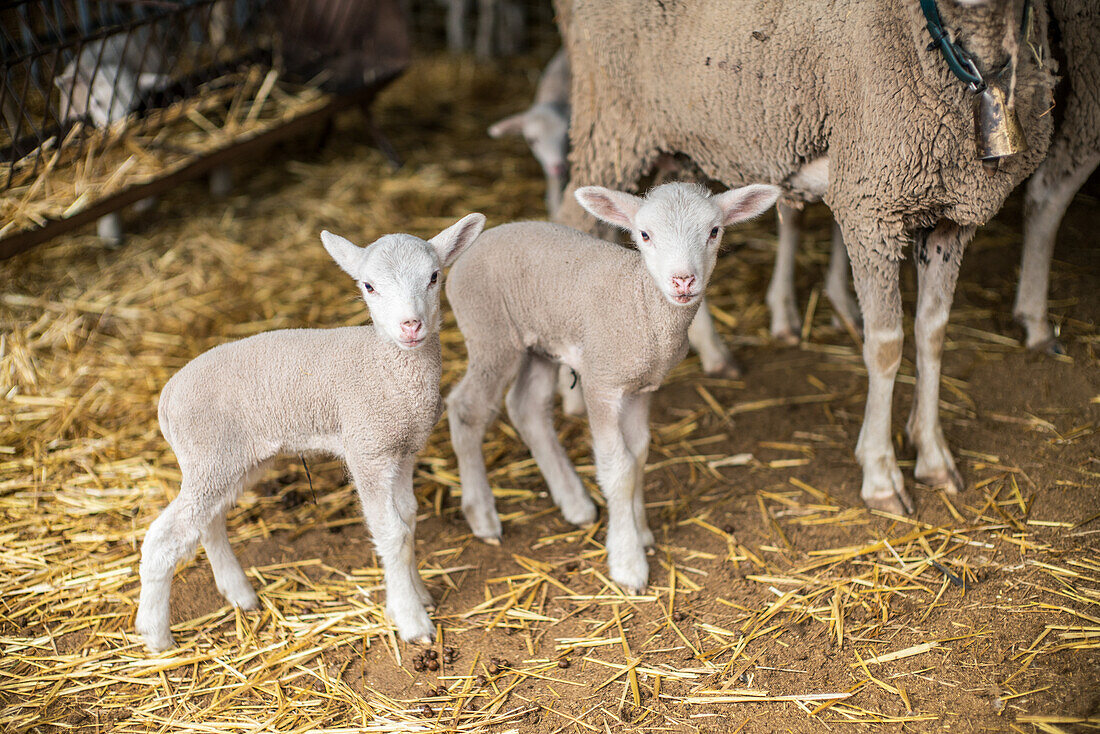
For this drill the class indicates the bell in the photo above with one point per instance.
(997, 128)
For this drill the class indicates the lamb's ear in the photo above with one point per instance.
(64, 80)
(508, 126)
(346, 255)
(615, 207)
(747, 202)
(452, 241)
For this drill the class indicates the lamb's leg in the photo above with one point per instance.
(554, 188)
(228, 574)
(472, 406)
(389, 508)
(707, 342)
(635, 427)
(836, 284)
(109, 229)
(530, 402)
(1048, 197)
(937, 256)
(616, 471)
(786, 321)
(876, 278)
(569, 387)
(171, 538)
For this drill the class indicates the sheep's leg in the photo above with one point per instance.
(616, 471)
(786, 321)
(635, 427)
(456, 25)
(836, 284)
(229, 577)
(713, 353)
(937, 256)
(530, 402)
(569, 387)
(876, 278)
(472, 406)
(1044, 207)
(486, 22)
(389, 508)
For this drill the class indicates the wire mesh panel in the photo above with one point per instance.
(100, 96)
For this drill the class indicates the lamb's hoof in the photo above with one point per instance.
(414, 626)
(632, 577)
(157, 642)
(490, 540)
(485, 523)
(580, 513)
(896, 503)
(241, 596)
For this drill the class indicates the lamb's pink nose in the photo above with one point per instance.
(683, 284)
(411, 329)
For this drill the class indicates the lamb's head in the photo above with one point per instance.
(677, 228)
(400, 276)
(545, 127)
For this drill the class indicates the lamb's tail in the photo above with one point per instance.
(162, 414)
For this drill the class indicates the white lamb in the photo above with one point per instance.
(545, 127)
(530, 295)
(369, 394)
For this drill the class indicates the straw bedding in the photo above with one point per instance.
(777, 602)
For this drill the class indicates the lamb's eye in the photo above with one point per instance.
(368, 287)
(435, 277)
(714, 233)
(645, 236)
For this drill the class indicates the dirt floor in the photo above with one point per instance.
(777, 603)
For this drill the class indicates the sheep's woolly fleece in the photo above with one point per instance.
(754, 95)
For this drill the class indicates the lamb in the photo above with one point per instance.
(545, 127)
(759, 94)
(110, 78)
(530, 295)
(369, 394)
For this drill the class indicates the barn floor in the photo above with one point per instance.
(777, 604)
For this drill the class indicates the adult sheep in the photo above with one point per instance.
(840, 100)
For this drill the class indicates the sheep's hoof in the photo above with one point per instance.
(898, 503)
(947, 479)
(491, 540)
(728, 370)
(787, 337)
(1051, 346)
